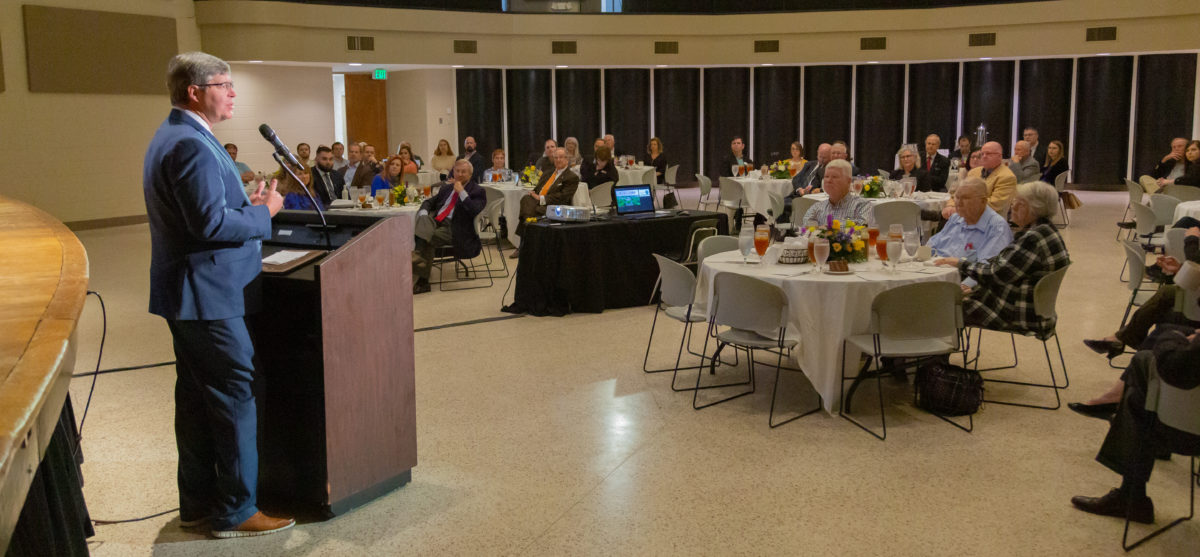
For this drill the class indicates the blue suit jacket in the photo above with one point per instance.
(462, 222)
(205, 235)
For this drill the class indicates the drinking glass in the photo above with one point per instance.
(872, 236)
(746, 243)
(382, 196)
(910, 184)
(896, 232)
(425, 191)
(893, 252)
(362, 196)
(856, 186)
(736, 170)
(821, 252)
(912, 242)
(762, 239)
(881, 250)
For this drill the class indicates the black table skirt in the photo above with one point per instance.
(593, 266)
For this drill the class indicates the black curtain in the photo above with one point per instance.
(987, 99)
(676, 111)
(777, 113)
(879, 115)
(1045, 99)
(726, 114)
(1102, 119)
(1166, 93)
(627, 110)
(826, 105)
(528, 114)
(933, 103)
(577, 105)
(480, 110)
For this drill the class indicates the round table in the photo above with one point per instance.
(1187, 209)
(756, 190)
(409, 211)
(928, 200)
(823, 309)
(635, 175)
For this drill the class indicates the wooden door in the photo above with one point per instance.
(366, 112)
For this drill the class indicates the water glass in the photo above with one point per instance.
(893, 253)
(821, 253)
(912, 241)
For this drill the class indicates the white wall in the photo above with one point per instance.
(422, 110)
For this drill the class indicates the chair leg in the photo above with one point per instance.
(1193, 479)
(774, 393)
(712, 362)
(842, 410)
(687, 330)
(1053, 380)
(468, 269)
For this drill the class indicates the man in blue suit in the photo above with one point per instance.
(206, 242)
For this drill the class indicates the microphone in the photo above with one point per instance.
(269, 135)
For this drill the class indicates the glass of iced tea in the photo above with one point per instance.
(381, 197)
(881, 248)
(762, 239)
(872, 236)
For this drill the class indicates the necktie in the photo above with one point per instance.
(549, 183)
(446, 212)
(928, 163)
(328, 185)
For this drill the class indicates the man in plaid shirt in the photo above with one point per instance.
(840, 205)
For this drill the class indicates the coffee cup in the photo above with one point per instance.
(924, 253)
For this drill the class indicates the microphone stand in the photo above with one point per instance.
(315, 203)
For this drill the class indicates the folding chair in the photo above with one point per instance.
(1136, 193)
(1060, 184)
(465, 270)
(677, 301)
(601, 197)
(901, 211)
(922, 320)
(668, 185)
(705, 192)
(731, 199)
(1181, 192)
(800, 206)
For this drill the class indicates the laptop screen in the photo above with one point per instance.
(634, 199)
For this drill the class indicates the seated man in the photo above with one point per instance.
(839, 205)
(736, 157)
(588, 169)
(242, 168)
(1135, 436)
(1172, 165)
(328, 183)
(555, 188)
(1023, 165)
(974, 228)
(545, 163)
(1001, 182)
(447, 218)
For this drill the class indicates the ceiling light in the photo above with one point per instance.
(355, 64)
(873, 62)
(985, 57)
(458, 66)
(768, 64)
(560, 66)
(256, 61)
(661, 66)
(1104, 54)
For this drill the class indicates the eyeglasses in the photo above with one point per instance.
(226, 85)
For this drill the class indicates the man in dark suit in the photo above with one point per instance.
(935, 164)
(1030, 135)
(206, 251)
(366, 169)
(327, 182)
(588, 168)
(736, 157)
(545, 163)
(555, 188)
(472, 156)
(448, 218)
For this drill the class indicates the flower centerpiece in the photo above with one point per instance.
(781, 169)
(873, 187)
(531, 175)
(398, 193)
(845, 242)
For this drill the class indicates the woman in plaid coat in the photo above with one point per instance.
(1003, 299)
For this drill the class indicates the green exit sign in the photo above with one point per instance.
(380, 73)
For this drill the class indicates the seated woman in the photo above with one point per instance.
(657, 159)
(294, 196)
(443, 159)
(574, 157)
(1191, 167)
(412, 157)
(605, 169)
(1056, 162)
(499, 171)
(910, 169)
(1003, 298)
(391, 175)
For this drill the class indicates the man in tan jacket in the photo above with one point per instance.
(1001, 182)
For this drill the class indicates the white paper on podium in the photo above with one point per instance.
(284, 257)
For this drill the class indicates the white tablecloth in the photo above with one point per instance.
(409, 211)
(1187, 209)
(757, 188)
(635, 175)
(929, 200)
(825, 309)
(512, 204)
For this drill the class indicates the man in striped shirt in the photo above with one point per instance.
(840, 204)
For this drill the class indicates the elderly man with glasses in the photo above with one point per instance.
(975, 230)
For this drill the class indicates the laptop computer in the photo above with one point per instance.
(636, 202)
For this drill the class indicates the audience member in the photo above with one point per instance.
(303, 154)
(611, 143)
(1055, 162)
(556, 187)
(392, 174)
(962, 149)
(411, 155)
(1003, 296)
(801, 169)
(1191, 167)
(499, 172)
(242, 168)
(1023, 165)
(339, 159)
(839, 205)
(294, 196)
(936, 165)
(1000, 180)
(909, 168)
(447, 218)
(735, 158)
(329, 183)
(545, 163)
(838, 150)
(657, 159)
(474, 158)
(574, 157)
(604, 169)
(1038, 150)
(975, 231)
(443, 159)
(588, 168)
(813, 184)
(1171, 165)
(359, 171)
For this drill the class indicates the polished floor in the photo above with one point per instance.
(542, 436)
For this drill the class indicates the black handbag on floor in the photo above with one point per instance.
(948, 389)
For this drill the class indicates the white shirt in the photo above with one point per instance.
(197, 118)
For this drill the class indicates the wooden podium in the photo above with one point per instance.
(334, 338)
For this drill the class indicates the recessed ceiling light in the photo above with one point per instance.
(768, 64)
(560, 66)
(256, 61)
(1104, 54)
(355, 64)
(458, 66)
(661, 66)
(873, 62)
(985, 57)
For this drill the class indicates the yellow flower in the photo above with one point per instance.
(837, 224)
(858, 245)
(867, 187)
(850, 224)
(837, 246)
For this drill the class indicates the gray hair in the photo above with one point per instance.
(973, 183)
(842, 164)
(191, 68)
(1041, 197)
(908, 148)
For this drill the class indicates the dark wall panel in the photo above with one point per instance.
(987, 99)
(528, 114)
(577, 106)
(933, 102)
(826, 105)
(1102, 119)
(777, 113)
(1045, 99)
(726, 114)
(480, 109)
(627, 110)
(879, 115)
(676, 111)
(1166, 97)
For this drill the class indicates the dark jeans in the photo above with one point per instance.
(429, 236)
(216, 425)
(1160, 308)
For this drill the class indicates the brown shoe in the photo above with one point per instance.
(515, 254)
(257, 525)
